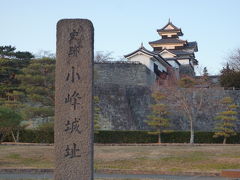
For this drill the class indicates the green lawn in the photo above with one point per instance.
(140, 158)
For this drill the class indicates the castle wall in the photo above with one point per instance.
(186, 70)
(126, 107)
(124, 90)
(123, 73)
(206, 116)
(123, 107)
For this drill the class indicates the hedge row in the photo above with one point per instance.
(41, 136)
(33, 136)
(172, 137)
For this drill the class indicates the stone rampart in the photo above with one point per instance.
(123, 73)
(126, 107)
(124, 90)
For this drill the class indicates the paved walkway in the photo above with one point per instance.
(22, 176)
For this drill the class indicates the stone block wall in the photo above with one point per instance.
(123, 73)
(124, 90)
(127, 107)
(186, 70)
(123, 107)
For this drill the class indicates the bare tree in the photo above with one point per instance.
(45, 54)
(190, 97)
(101, 56)
(234, 60)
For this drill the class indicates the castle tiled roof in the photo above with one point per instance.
(171, 24)
(175, 29)
(193, 45)
(172, 59)
(142, 49)
(181, 52)
(168, 41)
(155, 55)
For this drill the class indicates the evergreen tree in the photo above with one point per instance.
(37, 81)
(9, 68)
(158, 119)
(11, 95)
(9, 120)
(225, 128)
(205, 71)
(23, 55)
(7, 51)
(230, 77)
(205, 74)
(15, 101)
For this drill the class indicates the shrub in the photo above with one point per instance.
(47, 136)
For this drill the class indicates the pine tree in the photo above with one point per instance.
(11, 95)
(37, 81)
(225, 128)
(7, 51)
(205, 71)
(230, 78)
(9, 69)
(9, 120)
(158, 119)
(205, 74)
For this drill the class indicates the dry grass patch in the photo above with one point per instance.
(148, 158)
(26, 156)
(169, 158)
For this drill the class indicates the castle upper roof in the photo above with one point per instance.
(170, 28)
(168, 41)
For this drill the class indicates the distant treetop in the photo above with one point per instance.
(9, 53)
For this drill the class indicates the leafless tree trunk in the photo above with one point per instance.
(15, 137)
(159, 138)
(190, 99)
(224, 140)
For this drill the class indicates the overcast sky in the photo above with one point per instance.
(121, 25)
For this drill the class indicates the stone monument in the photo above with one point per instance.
(73, 100)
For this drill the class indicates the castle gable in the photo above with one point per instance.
(167, 54)
(151, 60)
(169, 27)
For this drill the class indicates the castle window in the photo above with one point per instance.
(174, 36)
(156, 70)
(178, 47)
(157, 48)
